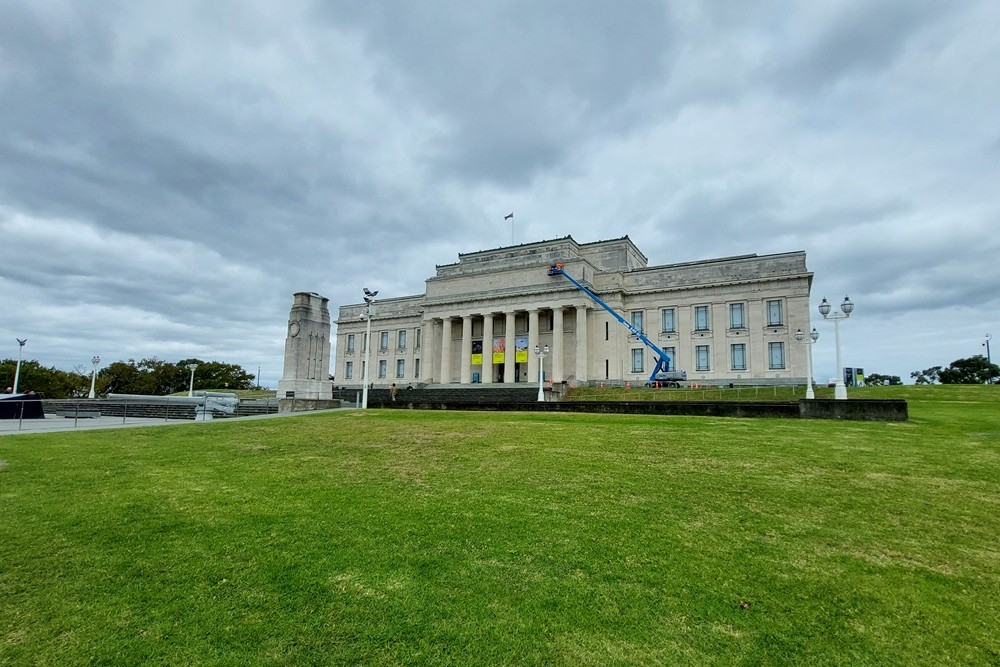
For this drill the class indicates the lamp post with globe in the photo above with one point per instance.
(846, 308)
(93, 375)
(808, 341)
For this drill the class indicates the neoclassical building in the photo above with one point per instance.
(727, 320)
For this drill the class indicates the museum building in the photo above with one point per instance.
(727, 320)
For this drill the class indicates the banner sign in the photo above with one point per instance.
(521, 349)
(477, 352)
(499, 347)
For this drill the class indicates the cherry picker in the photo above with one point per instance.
(663, 374)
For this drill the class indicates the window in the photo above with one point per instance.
(737, 319)
(382, 365)
(364, 347)
(774, 316)
(416, 342)
(637, 355)
(400, 367)
(776, 355)
(637, 319)
(701, 318)
(350, 343)
(669, 322)
(702, 361)
(416, 366)
(383, 340)
(401, 339)
(672, 353)
(349, 370)
(606, 330)
(738, 356)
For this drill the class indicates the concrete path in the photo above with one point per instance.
(53, 423)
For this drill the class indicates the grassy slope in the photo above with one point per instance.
(488, 538)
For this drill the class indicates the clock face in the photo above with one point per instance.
(293, 329)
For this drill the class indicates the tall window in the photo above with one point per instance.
(668, 321)
(383, 340)
(774, 315)
(400, 367)
(702, 360)
(401, 339)
(416, 366)
(637, 319)
(350, 343)
(637, 355)
(738, 356)
(775, 355)
(737, 317)
(417, 337)
(701, 318)
(364, 341)
(382, 366)
(672, 353)
(349, 370)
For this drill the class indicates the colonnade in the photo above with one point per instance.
(446, 328)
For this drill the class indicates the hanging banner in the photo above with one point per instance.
(521, 349)
(499, 347)
(477, 352)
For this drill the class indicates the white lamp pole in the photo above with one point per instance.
(541, 352)
(808, 340)
(846, 307)
(93, 376)
(17, 369)
(191, 368)
(369, 311)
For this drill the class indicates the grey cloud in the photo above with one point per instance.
(859, 38)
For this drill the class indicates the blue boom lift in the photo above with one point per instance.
(662, 375)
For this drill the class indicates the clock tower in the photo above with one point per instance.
(307, 349)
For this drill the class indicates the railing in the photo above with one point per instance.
(53, 414)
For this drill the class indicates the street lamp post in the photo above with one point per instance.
(808, 340)
(846, 307)
(541, 352)
(17, 369)
(191, 368)
(987, 344)
(369, 311)
(93, 375)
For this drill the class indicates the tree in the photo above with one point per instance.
(217, 375)
(971, 370)
(927, 376)
(47, 382)
(874, 379)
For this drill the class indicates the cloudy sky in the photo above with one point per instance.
(171, 172)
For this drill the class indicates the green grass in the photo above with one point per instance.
(462, 538)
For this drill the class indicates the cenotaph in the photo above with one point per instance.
(306, 375)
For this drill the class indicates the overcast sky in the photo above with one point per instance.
(172, 172)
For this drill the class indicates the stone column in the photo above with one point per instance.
(557, 344)
(446, 350)
(487, 369)
(466, 353)
(509, 375)
(532, 342)
(581, 344)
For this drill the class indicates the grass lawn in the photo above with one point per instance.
(464, 538)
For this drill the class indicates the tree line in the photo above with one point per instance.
(149, 376)
(971, 370)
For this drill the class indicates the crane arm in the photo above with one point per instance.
(663, 360)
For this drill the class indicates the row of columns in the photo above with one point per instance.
(556, 372)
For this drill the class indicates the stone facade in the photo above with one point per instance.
(728, 320)
(306, 374)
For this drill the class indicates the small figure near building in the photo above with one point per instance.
(393, 390)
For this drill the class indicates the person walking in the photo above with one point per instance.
(392, 391)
